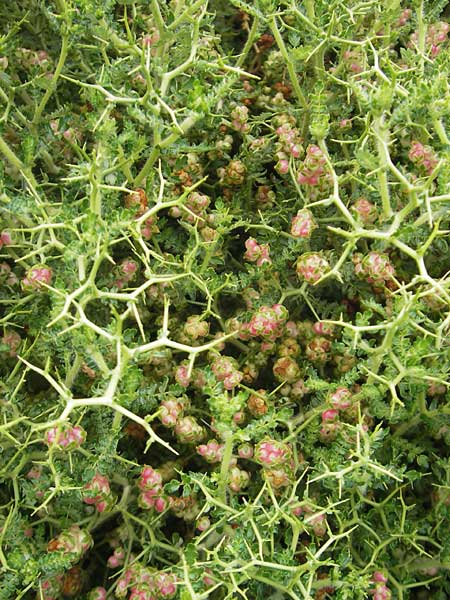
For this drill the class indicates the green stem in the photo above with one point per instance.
(382, 135)
(249, 43)
(440, 130)
(52, 86)
(290, 66)
(15, 161)
(159, 21)
(225, 466)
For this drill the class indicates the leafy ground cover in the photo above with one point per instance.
(224, 300)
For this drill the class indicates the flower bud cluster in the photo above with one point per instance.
(197, 204)
(239, 116)
(258, 253)
(5, 239)
(265, 197)
(225, 369)
(73, 541)
(286, 369)
(36, 278)
(233, 174)
(137, 200)
(117, 558)
(314, 171)
(423, 156)
(150, 484)
(289, 144)
(330, 425)
(353, 60)
(257, 405)
(375, 268)
(98, 593)
(143, 583)
(51, 589)
(7, 275)
(238, 479)
(65, 437)
(365, 211)
(12, 340)
(98, 493)
(380, 591)
(404, 17)
(436, 37)
(188, 430)
(266, 322)
(317, 350)
(195, 327)
(277, 461)
(171, 410)
(303, 224)
(212, 451)
(125, 272)
(317, 521)
(311, 267)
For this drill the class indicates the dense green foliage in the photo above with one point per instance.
(224, 299)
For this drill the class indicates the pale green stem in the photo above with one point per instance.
(290, 66)
(225, 466)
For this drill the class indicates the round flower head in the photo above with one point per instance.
(37, 278)
(311, 267)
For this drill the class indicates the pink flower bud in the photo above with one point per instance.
(379, 577)
(188, 430)
(376, 268)
(329, 415)
(65, 437)
(207, 580)
(292, 329)
(212, 451)
(166, 585)
(268, 322)
(98, 593)
(321, 329)
(5, 239)
(341, 398)
(36, 278)
(238, 479)
(282, 166)
(74, 541)
(303, 224)
(311, 267)
(203, 523)
(238, 417)
(271, 453)
(182, 375)
(161, 504)
(150, 480)
(245, 451)
(35, 472)
(116, 559)
(329, 430)
(366, 211)
(170, 411)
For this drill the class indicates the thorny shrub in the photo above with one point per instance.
(224, 299)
